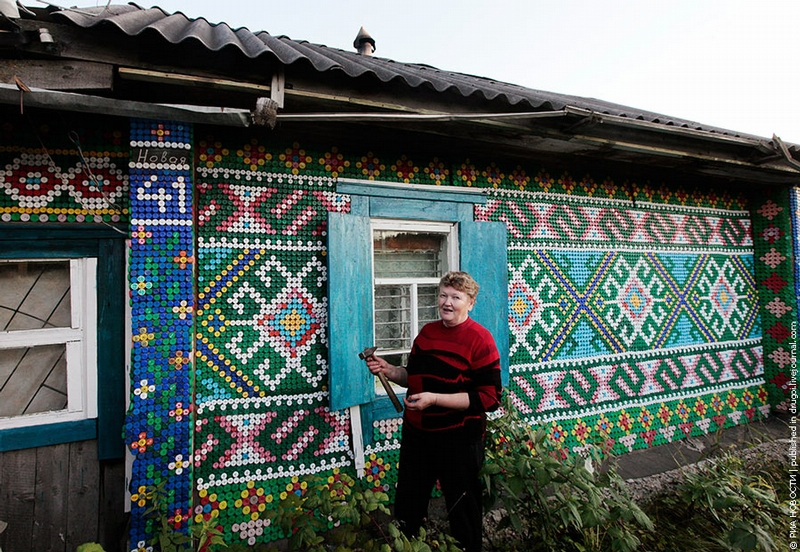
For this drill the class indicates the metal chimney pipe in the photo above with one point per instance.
(364, 44)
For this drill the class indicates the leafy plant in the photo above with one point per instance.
(205, 536)
(552, 500)
(723, 505)
(90, 547)
(338, 514)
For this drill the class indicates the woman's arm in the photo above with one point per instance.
(421, 401)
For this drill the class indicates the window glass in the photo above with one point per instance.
(34, 295)
(403, 254)
(428, 305)
(393, 316)
(33, 380)
(407, 265)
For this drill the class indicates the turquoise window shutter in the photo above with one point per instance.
(349, 309)
(485, 256)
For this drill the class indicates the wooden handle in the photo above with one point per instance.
(390, 392)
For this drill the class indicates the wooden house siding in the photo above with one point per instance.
(63, 483)
(57, 497)
(262, 220)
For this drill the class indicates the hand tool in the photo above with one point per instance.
(364, 355)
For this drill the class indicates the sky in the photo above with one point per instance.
(731, 64)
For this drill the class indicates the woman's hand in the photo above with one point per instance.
(420, 401)
(396, 374)
(377, 365)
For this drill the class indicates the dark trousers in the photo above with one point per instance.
(456, 463)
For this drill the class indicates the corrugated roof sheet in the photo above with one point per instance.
(177, 28)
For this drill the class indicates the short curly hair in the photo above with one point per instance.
(460, 281)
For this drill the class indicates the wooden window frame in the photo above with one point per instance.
(80, 341)
(105, 412)
(444, 228)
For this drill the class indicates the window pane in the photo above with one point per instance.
(34, 295)
(33, 380)
(428, 307)
(393, 317)
(397, 360)
(409, 254)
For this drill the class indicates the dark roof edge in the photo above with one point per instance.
(85, 103)
(176, 28)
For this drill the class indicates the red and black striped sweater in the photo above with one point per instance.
(463, 358)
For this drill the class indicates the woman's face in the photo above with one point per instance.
(454, 306)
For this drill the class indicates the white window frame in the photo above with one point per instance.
(80, 340)
(451, 257)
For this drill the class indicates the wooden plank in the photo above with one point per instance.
(19, 438)
(58, 75)
(87, 103)
(17, 481)
(111, 294)
(36, 338)
(381, 207)
(113, 522)
(50, 505)
(179, 79)
(83, 494)
(484, 255)
(374, 189)
(79, 235)
(75, 43)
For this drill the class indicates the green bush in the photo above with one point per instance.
(543, 499)
(554, 501)
(90, 547)
(341, 516)
(203, 537)
(720, 505)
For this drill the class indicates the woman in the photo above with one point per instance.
(453, 380)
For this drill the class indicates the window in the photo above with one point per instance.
(62, 336)
(384, 258)
(408, 258)
(48, 360)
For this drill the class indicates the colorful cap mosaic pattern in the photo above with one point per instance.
(629, 320)
(159, 421)
(775, 275)
(795, 204)
(639, 313)
(262, 419)
(634, 316)
(64, 173)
